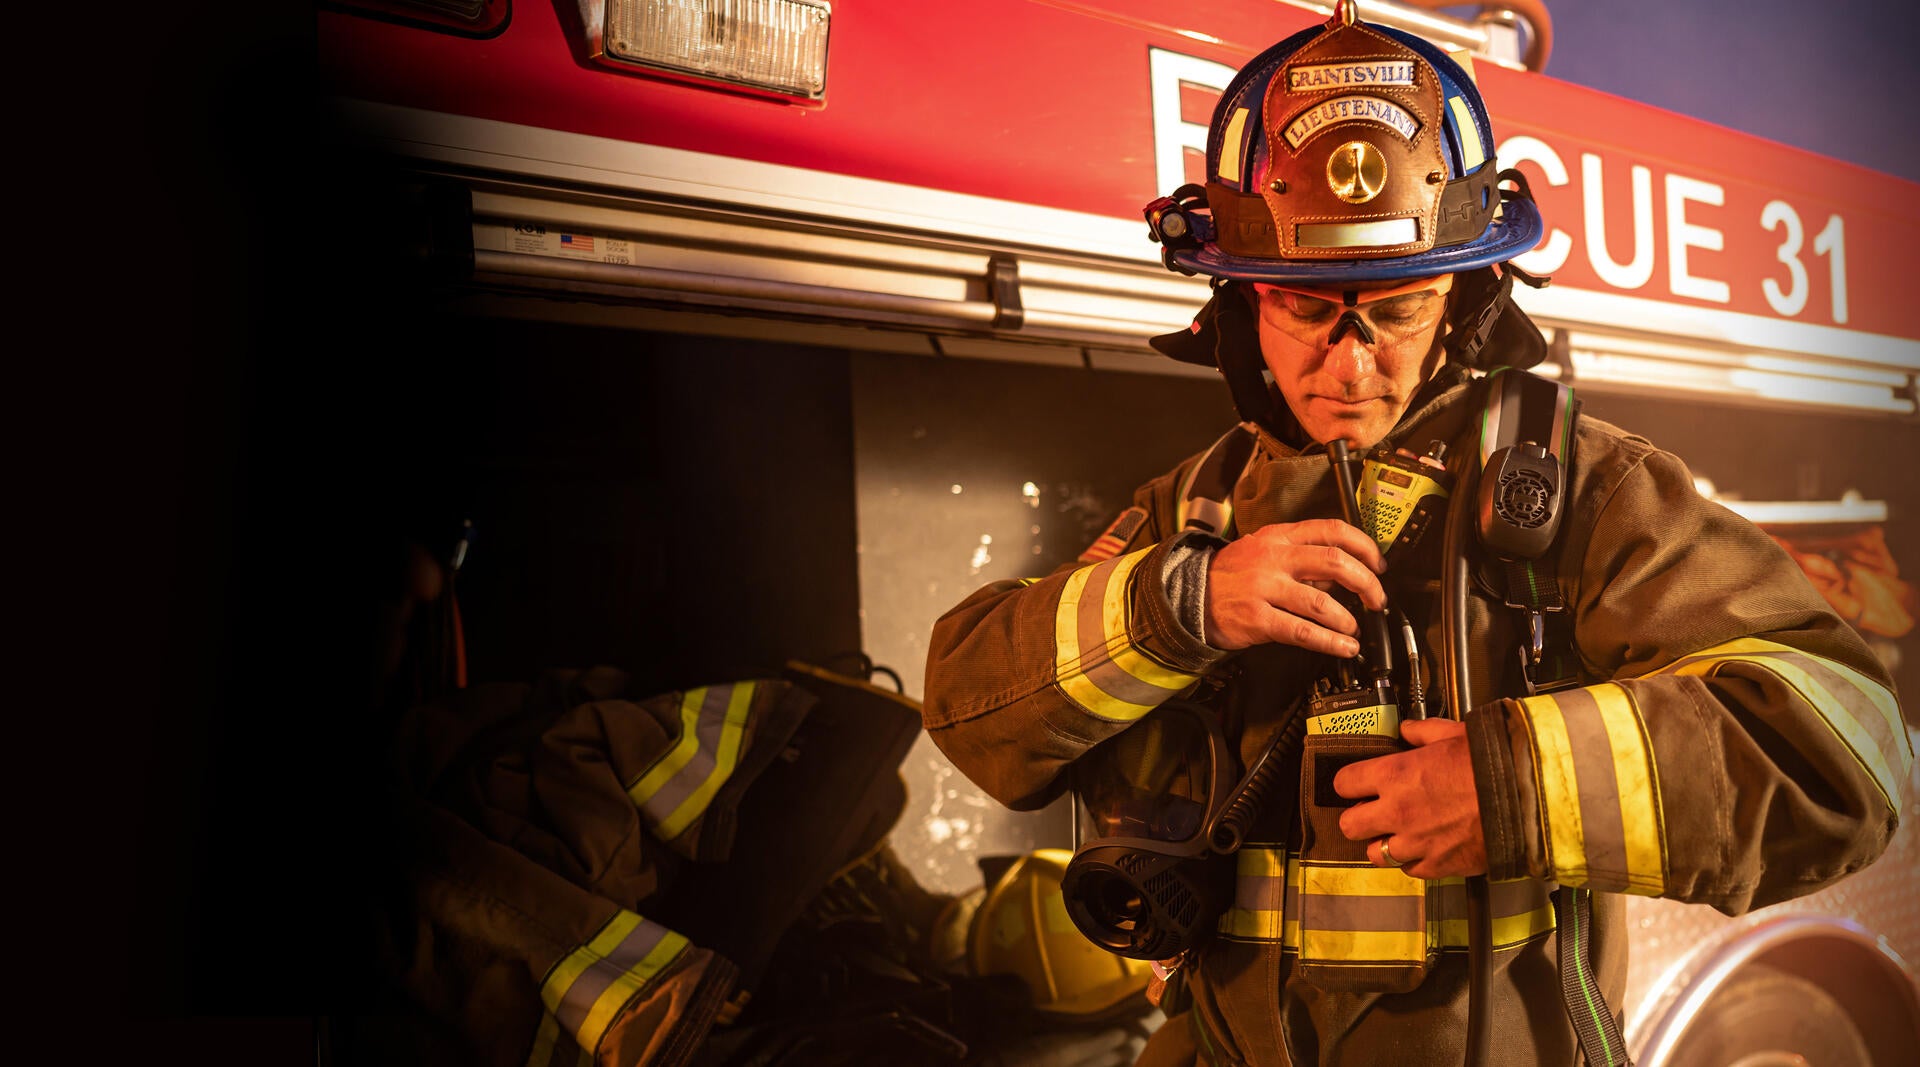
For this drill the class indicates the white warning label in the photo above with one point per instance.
(539, 239)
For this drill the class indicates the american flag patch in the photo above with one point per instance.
(1109, 544)
(576, 242)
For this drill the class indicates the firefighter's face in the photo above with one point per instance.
(1348, 373)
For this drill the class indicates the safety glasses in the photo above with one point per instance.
(1319, 316)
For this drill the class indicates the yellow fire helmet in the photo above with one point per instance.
(1020, 927)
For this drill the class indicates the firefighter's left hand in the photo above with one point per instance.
(1424, 805)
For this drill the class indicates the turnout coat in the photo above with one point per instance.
(1730, 741)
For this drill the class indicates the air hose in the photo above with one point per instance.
(1454, 579)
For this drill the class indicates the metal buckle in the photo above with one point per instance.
(1533, 652)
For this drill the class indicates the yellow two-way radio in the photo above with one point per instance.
(1401, 497)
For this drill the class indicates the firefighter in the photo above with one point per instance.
(1662, 704)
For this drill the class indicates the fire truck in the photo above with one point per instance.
(892, 256)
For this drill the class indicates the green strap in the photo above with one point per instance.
(1593, 1021)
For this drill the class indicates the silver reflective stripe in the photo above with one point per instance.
(1858, 709)
(699, 765)
(1356, 234)
(676, 790)
(1328, 912)
(625, 957)
(1097, 662)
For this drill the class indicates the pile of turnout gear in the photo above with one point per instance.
(703, 877)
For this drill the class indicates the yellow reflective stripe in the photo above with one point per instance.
(1114, 616)
(1258, 873)
(1471, 154)
(1559, 789)
(607, 1007)
(1095, 661)
(1230, 145)
(1257, 925)
(1368, 881)
(1513, 929)
(1446, 912)
(732, 731)
(1872, 690)
(1599, 788)
(1254, 865)
(1067, 655)
(586, 990)
(1328, 893)
(569, 970)
(1851, 731)
(1639, 788)
(1360, 946)
(1508, 930)
(1256, 862)
(682, 751)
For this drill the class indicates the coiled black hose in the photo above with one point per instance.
(1229, 829)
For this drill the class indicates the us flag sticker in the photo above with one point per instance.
(1109, 544)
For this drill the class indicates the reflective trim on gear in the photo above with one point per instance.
(1267, 905)
(589, 988)
(1522, 912)
(1599, 790)
(1361, 914)
(676, 790)
(1095, 661)
(1263, 908)
(1859, 710)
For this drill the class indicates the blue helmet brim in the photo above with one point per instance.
(1514, 233)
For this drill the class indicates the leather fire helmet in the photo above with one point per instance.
(1347, 154)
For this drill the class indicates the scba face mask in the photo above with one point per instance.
(1146, 801)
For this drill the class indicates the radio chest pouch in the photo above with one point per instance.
(1362, 928)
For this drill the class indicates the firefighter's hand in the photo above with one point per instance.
(1271, 587)
(1424, 810)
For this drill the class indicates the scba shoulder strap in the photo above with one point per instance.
(1206, 493)
(1526, 452)
(1526, 449)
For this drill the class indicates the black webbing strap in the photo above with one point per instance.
(1593, 1021)
(1530, 584)
(1521, 408)
(1526, 407)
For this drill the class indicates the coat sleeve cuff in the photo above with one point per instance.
(1498, 783)
(1169, 598)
